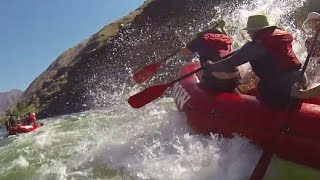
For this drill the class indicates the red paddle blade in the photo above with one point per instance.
(146, 72)
(144, 97)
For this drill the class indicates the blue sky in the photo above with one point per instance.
(33, 33)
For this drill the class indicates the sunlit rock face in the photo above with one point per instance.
(97, 72)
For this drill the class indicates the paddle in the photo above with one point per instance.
(266, 156)
(149, 70)
(151, 93)
(309, 54)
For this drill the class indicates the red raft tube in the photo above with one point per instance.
(23, 128)
(228, 113)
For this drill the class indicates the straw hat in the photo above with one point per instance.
(312, 15)
(257, 22)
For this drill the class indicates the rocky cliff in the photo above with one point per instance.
(9, 99)
(94, 73)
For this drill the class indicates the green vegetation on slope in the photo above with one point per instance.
(19, 111)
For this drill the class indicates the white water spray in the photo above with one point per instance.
(153, 142)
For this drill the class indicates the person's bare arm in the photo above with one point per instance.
(251, 51)
(221, 23)
(305, 94)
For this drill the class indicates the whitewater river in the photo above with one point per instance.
(124, 143)
(153, 142)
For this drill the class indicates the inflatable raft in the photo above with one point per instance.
(23, 128)
(229, 113)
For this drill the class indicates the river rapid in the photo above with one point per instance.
(153, 142)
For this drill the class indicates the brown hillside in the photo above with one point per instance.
(92, 74)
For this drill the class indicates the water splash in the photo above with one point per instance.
(119, 142)
(153, 142)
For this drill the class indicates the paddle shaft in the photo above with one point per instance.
(169, 56)
(185, 76)
(175, 52)
(149, 70)
(199, 69)
(151, 93)
(266, 156)
(305, 65)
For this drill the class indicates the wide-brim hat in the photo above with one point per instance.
(257, 22)
(312, 15)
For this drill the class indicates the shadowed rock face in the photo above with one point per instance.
(9, 99)
(97, 71)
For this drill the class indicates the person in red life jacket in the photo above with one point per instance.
(13, 121)
(271, 58)
(212, 45)
(31, 119)
(311, 25)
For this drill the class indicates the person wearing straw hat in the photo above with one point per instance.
(310, 26)
(213, 44)
(312, 22)
(271, 57)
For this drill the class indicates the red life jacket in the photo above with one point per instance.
(218, 43)
(32, 118)
(279, 46)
